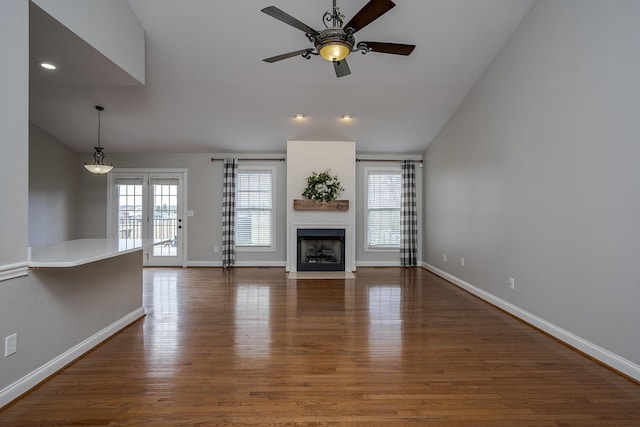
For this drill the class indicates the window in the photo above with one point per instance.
(254, 208)
(384, 190)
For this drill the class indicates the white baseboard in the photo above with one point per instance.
(261, 263)
(601, 354)
(377, 263)
(204, 263)
(26, 383)
(11, 271)
(284, 264)
(238, 263)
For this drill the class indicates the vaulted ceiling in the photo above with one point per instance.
(208, 90)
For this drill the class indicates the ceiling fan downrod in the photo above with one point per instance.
(334, 16)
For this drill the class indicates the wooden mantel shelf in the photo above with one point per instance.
(312, 205)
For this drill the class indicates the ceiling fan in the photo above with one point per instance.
(337, 40)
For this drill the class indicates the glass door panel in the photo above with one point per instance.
(166, 220)
(130, 210)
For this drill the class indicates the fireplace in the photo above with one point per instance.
(321, 249)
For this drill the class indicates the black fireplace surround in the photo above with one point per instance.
(321, 249)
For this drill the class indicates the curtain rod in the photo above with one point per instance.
(279, 159)
(385, 160)
(282, 159)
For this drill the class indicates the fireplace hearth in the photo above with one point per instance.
(320, 249)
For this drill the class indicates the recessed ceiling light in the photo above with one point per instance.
(299, 116)
(346, 117)
(48, 65)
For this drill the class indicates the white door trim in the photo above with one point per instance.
(147, 172)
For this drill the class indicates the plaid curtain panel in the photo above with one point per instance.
(408, 216)
(230, 167)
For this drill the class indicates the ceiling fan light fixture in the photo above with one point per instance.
(336, 41)
(333, 44)
(334, 51)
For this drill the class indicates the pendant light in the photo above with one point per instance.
(98, 167)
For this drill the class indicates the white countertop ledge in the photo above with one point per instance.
(73, 253)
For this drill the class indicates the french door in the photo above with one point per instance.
(149, 205)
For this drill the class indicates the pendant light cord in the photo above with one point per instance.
(98, 128)
(99, 108)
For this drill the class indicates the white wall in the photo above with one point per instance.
(14, 134)
(304, 158)
(54, 172)
(536, 177)
(94, 22)
(14, 164)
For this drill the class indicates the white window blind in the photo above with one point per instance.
(254, 207)
(383, 209)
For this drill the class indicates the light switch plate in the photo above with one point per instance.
(10, 345)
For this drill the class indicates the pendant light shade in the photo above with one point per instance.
(98, 167)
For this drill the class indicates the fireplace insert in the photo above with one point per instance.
(320, 249)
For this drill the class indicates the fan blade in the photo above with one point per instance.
(342, 68)
(393, 48)
(369, 13)
(286, 56)
(288, 19)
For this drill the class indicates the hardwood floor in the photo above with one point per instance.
(393, 347)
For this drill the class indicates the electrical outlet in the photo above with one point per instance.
(512, 283)
(462, 262)
(216, 249)
(444, 257)
(10, 345)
